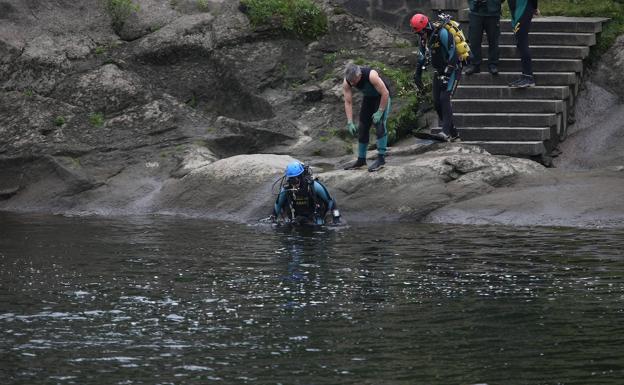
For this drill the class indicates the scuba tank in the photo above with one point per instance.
(461, 45)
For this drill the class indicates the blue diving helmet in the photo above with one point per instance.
(294, 169)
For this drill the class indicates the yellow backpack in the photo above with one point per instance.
(461, 45)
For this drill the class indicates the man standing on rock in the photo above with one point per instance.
(484, 16)
(376, 105)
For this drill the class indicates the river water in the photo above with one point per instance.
(162, 300)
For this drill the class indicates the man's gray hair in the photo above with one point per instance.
(352, 71)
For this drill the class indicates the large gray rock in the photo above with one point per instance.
(581, 200)
(106, 89)
(609, 72)
(236, 188)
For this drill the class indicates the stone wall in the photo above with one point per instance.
(397, 13)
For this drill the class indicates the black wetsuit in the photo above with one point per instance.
(447, 65)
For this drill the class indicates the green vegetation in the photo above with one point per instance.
(119, 11)
(59, 121)
(329, 58)
(613, 9)
(96, 119)
(300, 18)
(192, 102)
(28, 93)
(100, 50)
(404, 121)
(202, 5)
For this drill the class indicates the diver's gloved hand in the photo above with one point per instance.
(351, 128)
(336, 217)
(377, 116)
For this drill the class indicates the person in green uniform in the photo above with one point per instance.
(484, 16)
(522, 12)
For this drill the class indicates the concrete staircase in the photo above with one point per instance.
(526, 122)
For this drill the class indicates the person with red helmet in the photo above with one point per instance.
(438, 44)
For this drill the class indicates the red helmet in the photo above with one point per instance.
(419, 22)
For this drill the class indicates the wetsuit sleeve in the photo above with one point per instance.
(322, 193)
(279, 203)
(449, 45)
(422, 59)
(421, 55)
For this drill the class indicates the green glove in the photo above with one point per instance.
(377, 116)
(351, 128)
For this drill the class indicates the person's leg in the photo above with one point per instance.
(381, 132)
(436, 88)
(447, 114)
(492, 29)
(369, 107)
(447, 107)
(475, 36)
(522, 40)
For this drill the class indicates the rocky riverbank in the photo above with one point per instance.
(192, 111)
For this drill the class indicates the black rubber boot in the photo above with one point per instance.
(357, 164)
(378, 164)
(472, 69)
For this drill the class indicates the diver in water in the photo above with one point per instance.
(303, 199)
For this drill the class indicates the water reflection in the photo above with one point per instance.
(163, 300)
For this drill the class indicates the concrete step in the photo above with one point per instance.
(447, 4)
(561, 24)
(504, 78)
(533, 106)
(550, 38)
(539, 65)
(501, 133)
(543, 51)
(520, 148)
(504, 92)
(467, 119)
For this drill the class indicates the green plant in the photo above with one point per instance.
(59, 121)
(402, 44)
(28, 93)
(202, 5)
(324, 139)
(300, 18)
(100, 50)
(317, 152)
(330, 58)
(96, 119)
(119, 11)
(192, 102)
